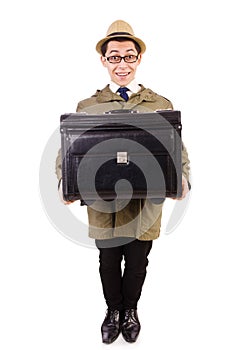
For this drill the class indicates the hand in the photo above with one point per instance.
(185, 189)
(66, 203)
(61, 195)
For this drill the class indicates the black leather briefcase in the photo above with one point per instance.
(121, 154)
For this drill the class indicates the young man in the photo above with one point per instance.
(124, 231)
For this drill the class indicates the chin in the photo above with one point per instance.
(123, 82)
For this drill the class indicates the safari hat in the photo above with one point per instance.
(120, 29)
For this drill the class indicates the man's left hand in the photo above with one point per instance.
(185, 188)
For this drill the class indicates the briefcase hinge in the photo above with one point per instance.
(122, 158)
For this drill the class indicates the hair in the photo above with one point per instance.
(120, 39)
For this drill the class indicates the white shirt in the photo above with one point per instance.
(133, 87)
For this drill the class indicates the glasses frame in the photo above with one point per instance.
(122, 58)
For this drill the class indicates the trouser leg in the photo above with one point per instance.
(136, 261)
(111, 274)
(123, 291)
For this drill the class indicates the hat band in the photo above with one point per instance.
(119, 33)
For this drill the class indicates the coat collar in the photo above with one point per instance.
(106, 95)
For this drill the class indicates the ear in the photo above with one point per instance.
(139, 58)
(103, 61)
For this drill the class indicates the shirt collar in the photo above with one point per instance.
(133, 87)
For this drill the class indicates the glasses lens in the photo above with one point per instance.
(114, 59)
(130, 59)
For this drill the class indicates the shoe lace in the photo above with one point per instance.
(129, 314)
(113, 315)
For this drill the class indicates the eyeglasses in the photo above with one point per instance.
(127, 59)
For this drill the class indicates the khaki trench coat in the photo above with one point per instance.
(140, 218)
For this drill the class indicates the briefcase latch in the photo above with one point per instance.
(122, 158)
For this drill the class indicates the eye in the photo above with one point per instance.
(131, 58)
(114, 58)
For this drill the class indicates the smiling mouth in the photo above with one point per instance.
(122, 74)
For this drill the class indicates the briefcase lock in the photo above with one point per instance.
(122, 158)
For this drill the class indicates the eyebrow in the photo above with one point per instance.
(116, 51)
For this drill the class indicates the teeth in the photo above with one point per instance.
(122, 74)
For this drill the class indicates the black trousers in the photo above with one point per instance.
(122, 287)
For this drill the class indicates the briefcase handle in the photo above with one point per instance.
(120, 111)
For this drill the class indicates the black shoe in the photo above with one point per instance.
(110, 328)
(130, 325)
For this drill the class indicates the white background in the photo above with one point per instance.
(50, 289)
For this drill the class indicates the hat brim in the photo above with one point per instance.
(112, 37)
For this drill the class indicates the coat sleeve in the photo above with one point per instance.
(185, 158)
(185, 164)
(58, 163)
(58, 170)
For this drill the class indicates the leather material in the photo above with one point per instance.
(151, 143)
(130, 326)
(110, 328)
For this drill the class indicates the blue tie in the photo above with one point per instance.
(123, 94)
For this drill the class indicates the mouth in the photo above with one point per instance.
(122, 74)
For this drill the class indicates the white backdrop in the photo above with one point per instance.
(50, 291)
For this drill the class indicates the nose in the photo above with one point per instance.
(122, 64)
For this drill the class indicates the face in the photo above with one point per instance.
(121, 73)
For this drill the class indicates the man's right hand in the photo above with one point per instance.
(61, 195)
(67, 203)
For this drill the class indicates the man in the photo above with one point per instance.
(124, 231)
